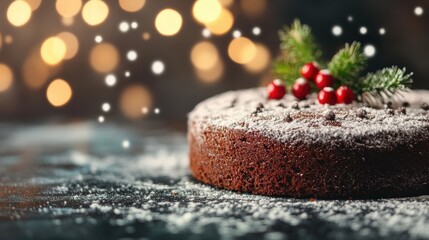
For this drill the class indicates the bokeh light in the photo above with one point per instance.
(211, 75)
(59, 93)
(226, 3)
(124, 26)
(34, 4)
(168, 22)
(67, 21)
(18, 13)
(68, 8)
(241, 50)
(204, 55)
(132, 5)
(132, 55)
(104, 57)
(0, 41)
(110, 80)
(35, 72)
(133, 99)
(106, 107)
(6, 77)
(158, 67)
(369, 50)
(206, 11)
(72, 44)
(222, 24)
(261, 61)
(53, 50)
(94, 12)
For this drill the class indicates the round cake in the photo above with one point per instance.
(242, 141)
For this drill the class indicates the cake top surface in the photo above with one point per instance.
(405, 121)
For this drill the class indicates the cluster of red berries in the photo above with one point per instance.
(323, 80)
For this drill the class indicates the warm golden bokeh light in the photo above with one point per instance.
(146, 36)
(222, 24)
(226, 3)
(68, 8)
(104, 57)
(133, 99)
(8, 39)
(206, 11)
(67, 21)
(241, 50)
(253, 7)
(168, 22)
(18, 13)
(260, 61)
(72, 44)
(94, 12)
(35, 72)
(131, 5)
(204, 55)
(34, 4)
(53, 50)
(211, 75)
(6, 77)
(59, 93)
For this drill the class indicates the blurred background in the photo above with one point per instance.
(131, 60)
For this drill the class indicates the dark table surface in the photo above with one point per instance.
(78, 181)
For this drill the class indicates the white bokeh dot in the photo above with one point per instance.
(206, 33)
(369, 50)
(337, 30)
(350, 18)
(418, 11)
(110, 80)
(126, 144)
(158, 67)
(101, 119)
(236, 34)
(132, 55)
(256, 31)
(157, 111)
(382, 31)
(124, 27)
(127, 74)
(98, 39)
(363, 30)
(105, 107)
(134, 25)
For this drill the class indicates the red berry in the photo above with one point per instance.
(324, 79)
(310, 70)
(301, 88)
(276, 89)
(327, 96)
(345, 95)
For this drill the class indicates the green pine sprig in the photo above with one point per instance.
(347, 65)
(298, 47)
(385, 82)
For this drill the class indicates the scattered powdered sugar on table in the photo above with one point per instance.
(78, 194)
(250, 110)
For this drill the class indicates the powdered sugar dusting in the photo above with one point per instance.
(239, 110)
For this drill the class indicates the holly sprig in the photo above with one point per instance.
(299, 47)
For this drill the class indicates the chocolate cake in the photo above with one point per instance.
(242, 141)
